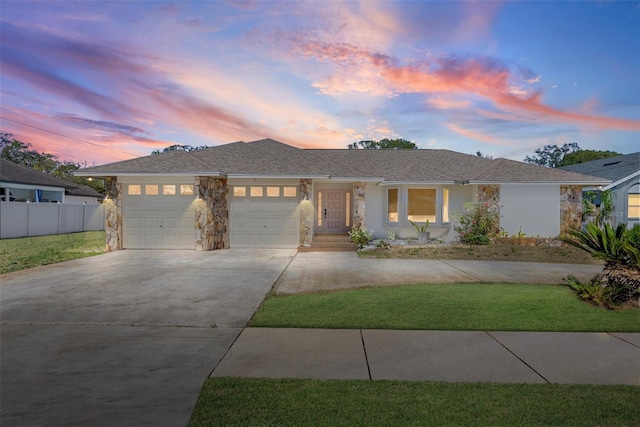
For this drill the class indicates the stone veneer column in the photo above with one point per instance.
(113, 214)
(306, 213)
(570, 208)
(490, 194)
(212, 213)
(359, 205)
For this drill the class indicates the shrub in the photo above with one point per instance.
(620, 250)
(361, 236)
(478, 223)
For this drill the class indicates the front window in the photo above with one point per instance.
(633, 204)
(392, 205)
(421, 205)
(445, 205)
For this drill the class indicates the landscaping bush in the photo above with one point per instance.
(477, 224)
(620, 250)
(361, 236)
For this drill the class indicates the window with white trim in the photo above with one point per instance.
(421, 204)
(445, 205)
(392, 205)
(633, 202)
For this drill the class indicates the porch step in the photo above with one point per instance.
(330, 243)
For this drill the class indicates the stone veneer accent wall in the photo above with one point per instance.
(113, 214)
(306, 213)
(212, 213)
(490, 193)
(359, 205)
(570, 208)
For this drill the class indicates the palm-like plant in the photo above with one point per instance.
(613, 246)
(619, 250)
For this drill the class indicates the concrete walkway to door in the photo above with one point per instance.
(326, 271)
(126, 338)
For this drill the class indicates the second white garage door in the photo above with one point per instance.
(264, 217)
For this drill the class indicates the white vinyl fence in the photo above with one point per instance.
(19, 219)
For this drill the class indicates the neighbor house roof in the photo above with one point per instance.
(269, 158)
(616, 169)
(83, 191)
(14, 173)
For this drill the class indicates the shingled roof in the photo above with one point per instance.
(269, 158)
(19, 174)
(612, 168)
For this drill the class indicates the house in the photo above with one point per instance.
(269, 194)
(20, 183)
(624, 172)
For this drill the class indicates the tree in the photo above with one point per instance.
(23, 153)
(551, 155)
(582, 156)
(18, 152)
(384, 144)
(179, 147)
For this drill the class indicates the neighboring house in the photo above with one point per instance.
(20, 183)
(269, 194)
(624, 172)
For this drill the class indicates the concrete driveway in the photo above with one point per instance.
(125, 338)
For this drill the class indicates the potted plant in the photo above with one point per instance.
(423, 234)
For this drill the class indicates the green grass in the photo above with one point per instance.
(461, 306)
(268, 402)
(27, 252)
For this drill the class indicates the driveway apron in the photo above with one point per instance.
(124, 338)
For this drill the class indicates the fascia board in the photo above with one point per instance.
(602, 182)
(620, 181)
(356, 178)
(388, 183)
(20, 186)
(107, 174)
(266, 176)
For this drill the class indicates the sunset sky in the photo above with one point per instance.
(102, 81)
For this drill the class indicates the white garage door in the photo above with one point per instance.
(264, 217)
(158, 216)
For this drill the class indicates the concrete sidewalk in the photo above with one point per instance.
(451, 356)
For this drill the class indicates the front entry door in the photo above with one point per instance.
(333, 211)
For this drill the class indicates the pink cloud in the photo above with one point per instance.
(469, 75)
(476, 135)
(445, 103)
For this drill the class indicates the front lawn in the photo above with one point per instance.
(27, 252)
(460, 306)
(269, 402)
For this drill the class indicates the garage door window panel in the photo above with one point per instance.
(273, 191)
(151, 190)
(239, 191)
(289, 191)
(134, 190)
(256, 192)
(168, 190)
(186, 190)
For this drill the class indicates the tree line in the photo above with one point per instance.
(23, 153)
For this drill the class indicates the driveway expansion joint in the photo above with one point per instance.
(477, 279)
(518, 357)
(622, 339)
(366, 358)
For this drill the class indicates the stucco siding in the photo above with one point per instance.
(533, 209)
